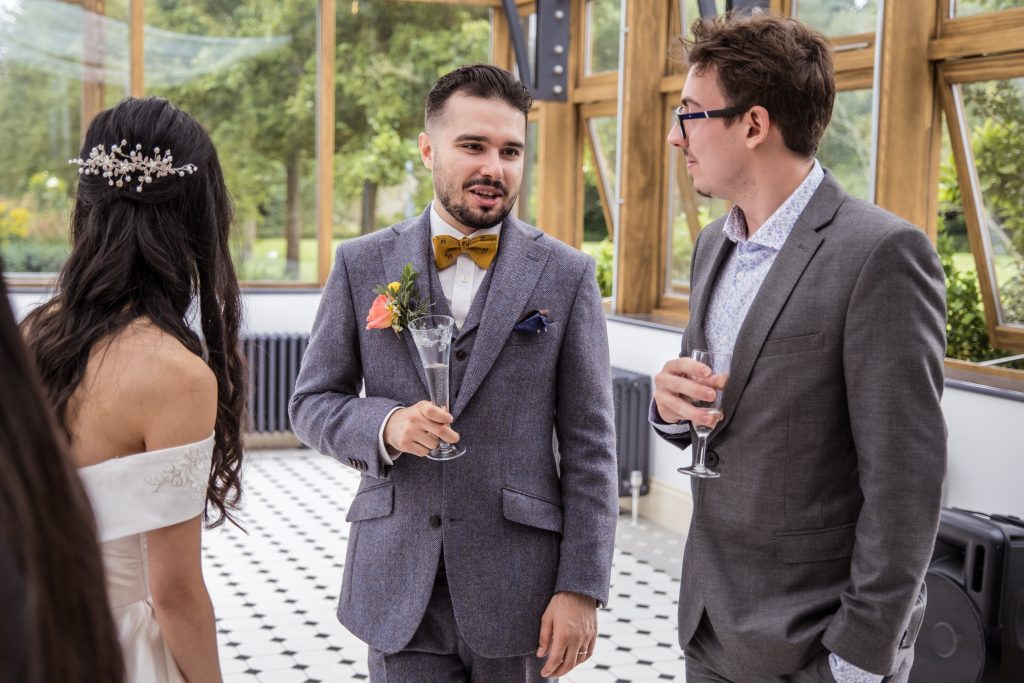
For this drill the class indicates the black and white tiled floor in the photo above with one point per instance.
(275, 589)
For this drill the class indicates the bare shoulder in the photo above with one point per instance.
(171, 390)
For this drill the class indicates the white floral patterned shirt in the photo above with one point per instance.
(745, 269)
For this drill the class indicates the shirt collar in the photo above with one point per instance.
(438, 226)
(776, 229)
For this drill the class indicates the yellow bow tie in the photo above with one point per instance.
(481, 248)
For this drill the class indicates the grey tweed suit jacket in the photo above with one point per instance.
(514, 527)
(832, 451)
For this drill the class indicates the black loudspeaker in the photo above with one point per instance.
(973, 629)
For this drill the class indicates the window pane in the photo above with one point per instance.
(966, 332)
(597, 229)
(994, 112)
(845, 149)
(602, 36)
(838, 17)
(527, 204)
(388, 56)
(248, 73)
(603, 134)
(59, 66)
(529, 26)
(689, 11)
(688, 213)
(964, 8)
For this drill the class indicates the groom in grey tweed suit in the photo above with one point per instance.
(489, 567)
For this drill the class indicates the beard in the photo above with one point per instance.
(472, 216)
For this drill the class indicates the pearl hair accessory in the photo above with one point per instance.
(118, 167)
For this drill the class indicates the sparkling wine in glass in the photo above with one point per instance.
(433, 337)
(719, 364)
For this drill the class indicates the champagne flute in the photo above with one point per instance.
(719, 364)
(433, 337)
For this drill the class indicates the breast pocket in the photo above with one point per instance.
(518, 338)
(789, 345)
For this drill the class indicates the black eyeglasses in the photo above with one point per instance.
(682, 115)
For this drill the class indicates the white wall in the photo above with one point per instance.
(986, 434)
(280, 311)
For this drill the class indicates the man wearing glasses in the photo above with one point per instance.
(806, 557)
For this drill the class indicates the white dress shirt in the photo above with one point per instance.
(459, 282)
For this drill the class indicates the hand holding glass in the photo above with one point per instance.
(433, 337)
(719, 365)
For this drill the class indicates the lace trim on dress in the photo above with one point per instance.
(185, 471)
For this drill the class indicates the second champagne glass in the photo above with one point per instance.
(433, 337)
(719, 364)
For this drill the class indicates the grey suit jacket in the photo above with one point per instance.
(832, 451)
(514, 527)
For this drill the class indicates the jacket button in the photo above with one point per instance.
(712, 459)
(460, 355)
(435, 521)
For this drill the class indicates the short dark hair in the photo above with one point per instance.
(485, 81)
(772, 61)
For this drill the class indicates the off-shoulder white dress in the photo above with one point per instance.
(131, 495)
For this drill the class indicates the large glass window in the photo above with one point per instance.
(994, 122)
(964, 8)
(845, 149)
(838, 17)
(248, 73)
(60, 64)
(602, 36)
(966, 330)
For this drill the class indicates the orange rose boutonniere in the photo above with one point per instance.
(396, 304)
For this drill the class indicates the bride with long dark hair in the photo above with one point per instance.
(138, 350)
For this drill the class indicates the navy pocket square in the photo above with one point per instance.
(534, 321)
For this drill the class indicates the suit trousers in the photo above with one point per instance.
(437, 652)
(708, 662)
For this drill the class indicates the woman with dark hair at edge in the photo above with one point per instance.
(151, 409)
(54, 620)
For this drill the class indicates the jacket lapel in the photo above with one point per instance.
(796, 253)
(520, 261)
(410, 244)
(719, 247)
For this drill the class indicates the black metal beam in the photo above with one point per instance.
(551, 55)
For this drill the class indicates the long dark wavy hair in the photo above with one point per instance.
(152, 254)
(63, 622)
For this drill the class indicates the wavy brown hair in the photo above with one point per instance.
(61, 618)
(160, 254)
(771, 61)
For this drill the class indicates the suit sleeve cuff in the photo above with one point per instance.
(387, 454)
(654, 417)
(844, 672)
